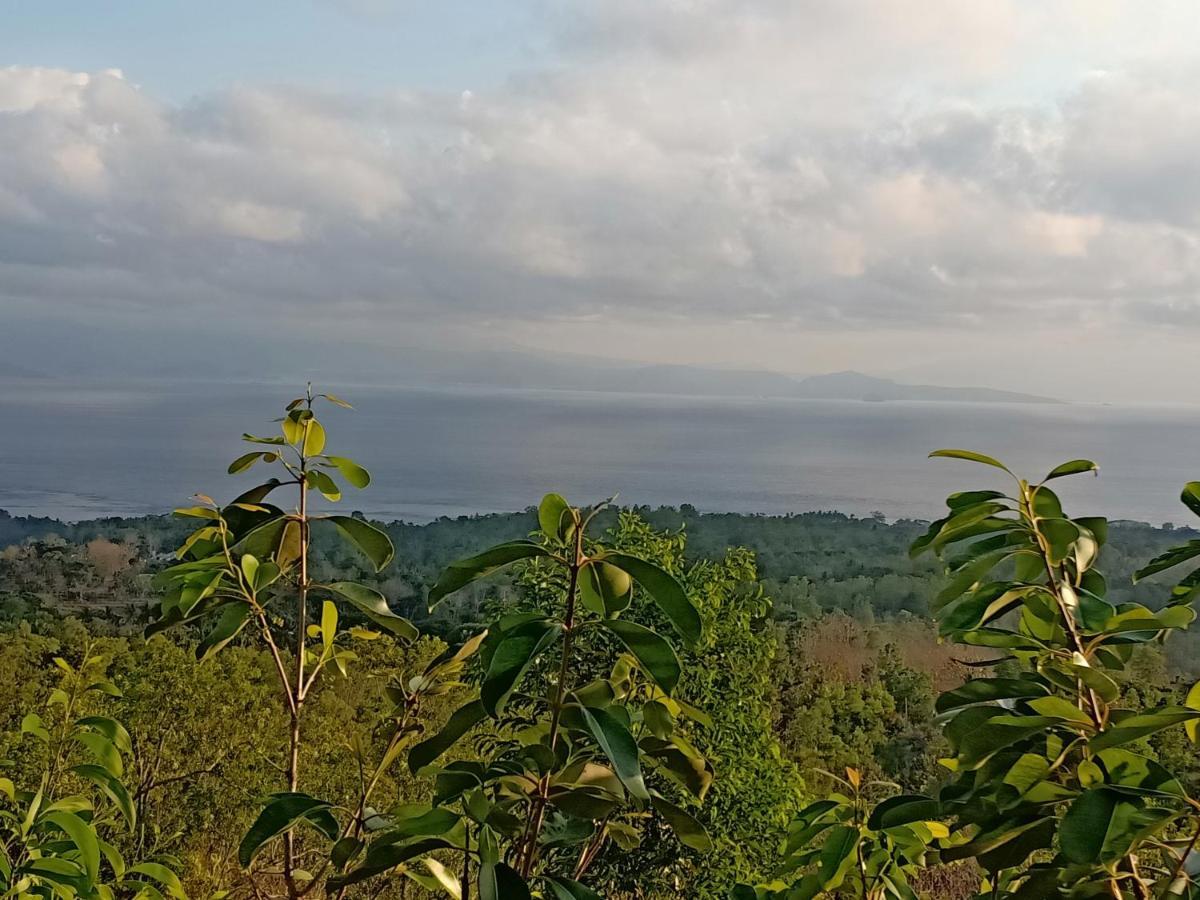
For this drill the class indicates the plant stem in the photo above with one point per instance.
(528, 853)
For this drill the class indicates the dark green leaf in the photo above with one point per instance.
(233, 619)
(666, 591)
(459, 574)
(281, 814)
(970, 456)
(372, 604)
(689, 831)
(620, 748)
(653, 652)
(367, 538)
(567, 889)
(463, 720)
(1074, 467)
(498, 881)
(512, 656)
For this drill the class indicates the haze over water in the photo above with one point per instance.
(73, 451)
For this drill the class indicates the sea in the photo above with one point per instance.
(73, 450)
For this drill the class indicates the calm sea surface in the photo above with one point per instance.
(74, 451)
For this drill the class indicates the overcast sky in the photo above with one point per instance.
(989, 192)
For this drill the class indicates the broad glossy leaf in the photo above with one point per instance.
(555, 517)
(1086, 824)
(970, 456)
(686, 827)
(326, 485)
(903, 810)
(367, 538)
(112, 788)
(569, 889)
(1191, 496)
(653, 652)
(1074, 467)
(233, 619)
(384, 856)
(1133, 727)
(605, 589)
(351, 471)
(1173, 557)
(82, 835)
(461, 573)
(837, 855)
(514, 653)
(162, 875)
(620, 748)
(983, 690)
(314, 438)
(372, 604)
(281, 814)
(498, 881)
(463, 720)
(666, 591)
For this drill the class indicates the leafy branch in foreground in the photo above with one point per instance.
(1051, 793)
(247, 567)
(57, 842)
(569, 766)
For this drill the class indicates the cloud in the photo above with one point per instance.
(832, 166)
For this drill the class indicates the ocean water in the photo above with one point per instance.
(77, 451)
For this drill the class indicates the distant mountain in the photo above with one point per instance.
(243, 357)
(857, 386)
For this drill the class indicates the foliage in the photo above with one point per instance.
(57, 839)
(240, 566)
(1052, 793)
(568, 770)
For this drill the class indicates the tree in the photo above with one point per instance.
(1051, 794)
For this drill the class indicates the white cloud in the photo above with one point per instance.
(838, 166)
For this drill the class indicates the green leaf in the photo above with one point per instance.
(384, 856)
(82, 836)
(970, 456)
(605, 589)
(281, 814)
(555, 517)
(233, 619)
(514, 653)
(568, 889)
(372, 604)
(984, 690)
(314, 438)
(1191, 496)
(1074, 467)
(498, 881)
(1085, 826)
(903, 810)
(162, 875)
(351, 471)
(461, 573)
(367, 538)
(666, 591)
(654, 653)
(326, 485)
(112, 788)
(837, 855)
(329, 623)
(246, 460)
(102, 749)
(1133, 727)
(463, 720)
(688, 829)
(620, 748)
(1173, 557)
(336, 401)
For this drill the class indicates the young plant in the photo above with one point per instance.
(247, 566)
(569, 764)
(57, 840)
(842, 844)
(1051, 793)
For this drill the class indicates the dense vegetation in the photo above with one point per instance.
(635, 700)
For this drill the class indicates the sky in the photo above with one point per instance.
(993, 193)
